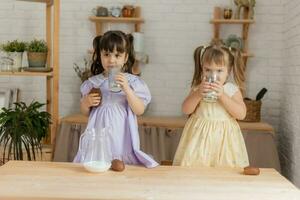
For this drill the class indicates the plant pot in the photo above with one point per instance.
(253, 110)
(37, 59)
(17, 60)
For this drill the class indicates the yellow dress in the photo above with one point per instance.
(211, 137)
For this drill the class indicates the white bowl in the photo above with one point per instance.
(97, 166)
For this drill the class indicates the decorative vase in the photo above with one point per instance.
(128, 11)
(17, 60)
(100, 11)
(227, 13)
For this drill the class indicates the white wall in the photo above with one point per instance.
(23, 21)
(173, 29)
(289, 139)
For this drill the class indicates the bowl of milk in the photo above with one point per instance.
(96, 166)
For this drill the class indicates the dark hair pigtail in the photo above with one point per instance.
(96, 67)
(131, 55)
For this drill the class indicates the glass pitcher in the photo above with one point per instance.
(95, 150)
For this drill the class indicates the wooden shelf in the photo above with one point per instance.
(247, 55)
(244, 22)
(134, 20)
(52, 19)
(232, 21)
(48, 74)
(48, 2)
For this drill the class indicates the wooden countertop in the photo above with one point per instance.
(172, 122)
(50, 180)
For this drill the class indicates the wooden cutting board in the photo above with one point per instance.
(50, 180)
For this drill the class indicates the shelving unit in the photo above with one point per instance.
(217, 21)
(52, 78)
(136, 20)
(232, 21)
(48, 74)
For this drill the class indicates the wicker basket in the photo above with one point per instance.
(253, 110)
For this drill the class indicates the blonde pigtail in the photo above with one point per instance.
(238, 68)
(198, 71)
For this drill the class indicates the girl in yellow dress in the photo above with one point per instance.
(212, 136)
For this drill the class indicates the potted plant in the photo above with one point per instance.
(21, 130)
(37, 53)
(14, 50)
(83, 73)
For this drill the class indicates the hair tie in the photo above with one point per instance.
(202, 51)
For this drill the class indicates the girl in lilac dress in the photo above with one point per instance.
(116, 110)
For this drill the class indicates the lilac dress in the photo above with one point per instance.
(115, 112)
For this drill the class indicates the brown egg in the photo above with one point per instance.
(117, 165)
(251, 170)
(96, 91)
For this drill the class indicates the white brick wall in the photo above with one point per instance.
(173, 29)
(289, 139)
(23, 21)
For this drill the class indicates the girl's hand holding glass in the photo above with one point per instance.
(122, 81)
(204, 88)
(218, 88)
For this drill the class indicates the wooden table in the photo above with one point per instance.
(50, 180)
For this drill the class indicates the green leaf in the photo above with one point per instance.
(22, 129)
(37, 46)
(13, 46)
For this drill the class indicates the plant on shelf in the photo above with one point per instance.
(13, 46)
(21, 131)
(85, 72)
(37, 53)
(14, 50)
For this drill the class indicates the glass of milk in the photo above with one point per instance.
(113, 85)
(211, 96)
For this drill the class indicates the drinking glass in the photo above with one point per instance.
(113, 86)
(211, 96)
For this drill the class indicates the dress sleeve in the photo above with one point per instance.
(141, 89)
(86, 87)
(230, 89)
